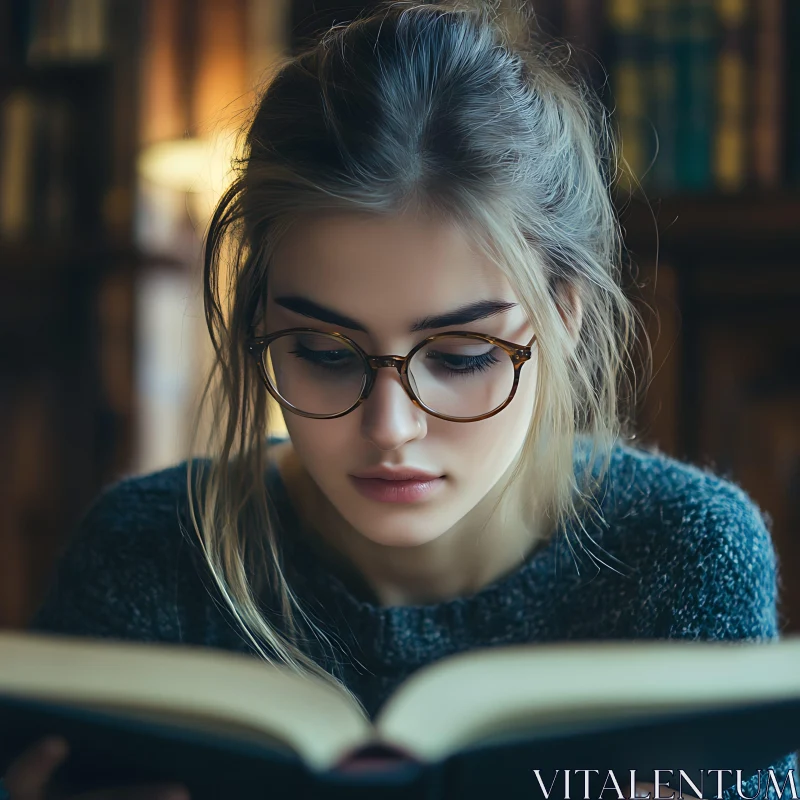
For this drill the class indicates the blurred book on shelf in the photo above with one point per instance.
(86, 86)
(704, 98)
(68, 89)
(703, 92)
(55, 149)
(36, 169)
(45, 31)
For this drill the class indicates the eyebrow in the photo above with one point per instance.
(471, 312)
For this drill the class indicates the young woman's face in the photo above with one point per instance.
(384, 274)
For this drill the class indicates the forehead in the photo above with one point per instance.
(384, 266)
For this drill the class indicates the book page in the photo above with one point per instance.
(232, 694)
(489, 694)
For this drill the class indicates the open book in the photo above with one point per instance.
(232, 726)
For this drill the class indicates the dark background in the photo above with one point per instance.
(713, 233)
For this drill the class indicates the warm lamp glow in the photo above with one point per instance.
(197, 167)
(188, 165)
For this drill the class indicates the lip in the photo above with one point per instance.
(397, 474)
(397, 491)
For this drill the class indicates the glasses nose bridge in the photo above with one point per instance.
(376, 362)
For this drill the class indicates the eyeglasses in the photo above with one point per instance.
(457, 376)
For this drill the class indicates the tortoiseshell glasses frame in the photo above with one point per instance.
(519, 355)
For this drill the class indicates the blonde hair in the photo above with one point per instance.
(457, 108)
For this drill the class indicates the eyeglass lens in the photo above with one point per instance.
(453, 376)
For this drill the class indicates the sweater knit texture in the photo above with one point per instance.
(680, 553)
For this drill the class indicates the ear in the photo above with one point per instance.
(570, 308)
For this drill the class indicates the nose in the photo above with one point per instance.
(389, 418)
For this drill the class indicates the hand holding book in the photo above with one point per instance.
(29, 777)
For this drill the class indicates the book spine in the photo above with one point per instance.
(792, 94)
(381, 768)
(767, 93)
(577, 22)
(696, 41)
(66, 29)
(46, 43)
(662, 97)
(582, 28)
(16, 165)
(57, 201)
(625, 19)
(375, 757)
(16, 25)
(40, 166)
(87, 33)
(732, 80)
(266, 40)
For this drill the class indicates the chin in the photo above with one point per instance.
(398, 536)
(396, 525)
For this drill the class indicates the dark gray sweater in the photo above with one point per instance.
(683, 554)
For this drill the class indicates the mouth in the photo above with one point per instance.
(397, 474)
(411, 490)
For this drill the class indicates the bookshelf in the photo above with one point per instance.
(741, 225)
(68, 74)
(705, 96)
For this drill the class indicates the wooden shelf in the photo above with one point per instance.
(66, 76)
(25, 261)
(692, 226)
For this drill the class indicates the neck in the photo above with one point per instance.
(491, 541)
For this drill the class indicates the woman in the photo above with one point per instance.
(420, 262)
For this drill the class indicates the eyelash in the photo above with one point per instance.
(474, 364)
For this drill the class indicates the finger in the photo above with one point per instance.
(28, 775)
(160, 791)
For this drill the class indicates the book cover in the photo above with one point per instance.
(480, 722)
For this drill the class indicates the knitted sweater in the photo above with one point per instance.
(681, 554)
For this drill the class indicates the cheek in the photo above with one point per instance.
(478, 452)
(513, 420)
(321, 442)
(490, 446)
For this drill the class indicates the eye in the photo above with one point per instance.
(451, 358)
(322, 355)
(465, 364)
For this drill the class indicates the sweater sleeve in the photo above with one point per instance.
(729, 591)
(113, 579)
